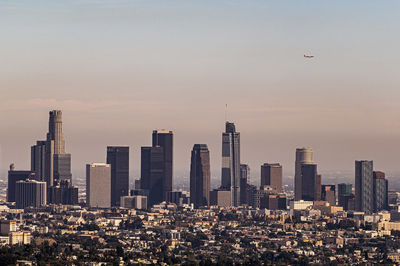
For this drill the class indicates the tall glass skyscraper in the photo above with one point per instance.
(230, 175)
(164, 139)
(200, 176)
(364, 198)
(118, 158)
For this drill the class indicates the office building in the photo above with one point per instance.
(221, 198)
(329, 194)
(271, 175)
(343, 190)
(380, 191)
(309, 182)
(200, 176)
(164, 139)
(118, 158)
(244, 183)
(230, 175)
(134, 202)
(13, 177)
(48, 157)
(303, 156)
(63, 192)
(180, 198)
(98, 185)
(30, 193)
(152, 173)
(273, 202)
(364, 200)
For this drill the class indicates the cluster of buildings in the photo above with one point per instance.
(107, 184)
(316, 223)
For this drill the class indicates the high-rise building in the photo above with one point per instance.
(244, 183)
(231, 162)
(271, 175)
(303, 156)
(118, 158)
(164, 139)
(380, 191)
(200, 176)
(63, 192)
(55, 131)
(344, 190)
(318, 187)
(364, 200)
(329, 194)
(152, 173)
(13, 177)
(309, 182)
(98, 185)
(38, 159)
(62, 167)
(48, 158)
(30, 193)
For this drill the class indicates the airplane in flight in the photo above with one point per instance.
(308, 56)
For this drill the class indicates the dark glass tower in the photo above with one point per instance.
(309, 182)
(200, 176)
(244, 182)
(380, 191)
(118, 158)
(164, 139)
(152, 173)
(364, 200)
(231, 162)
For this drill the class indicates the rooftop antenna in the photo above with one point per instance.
(226, 112)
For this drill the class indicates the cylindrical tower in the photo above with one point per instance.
(303, 156)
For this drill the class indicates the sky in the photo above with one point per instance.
(120, 69)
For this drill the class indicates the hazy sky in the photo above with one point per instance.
(119, 69)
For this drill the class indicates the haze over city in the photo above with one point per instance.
(120, 69)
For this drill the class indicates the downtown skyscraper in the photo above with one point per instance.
(52, 164)
(200, 176)
(157, 167)
(230, 174)
(118, 158)
(303, 156)
(164, 139)
(364, 181)
(48, 158)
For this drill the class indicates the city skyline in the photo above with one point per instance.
(135, 174)
(123, 74)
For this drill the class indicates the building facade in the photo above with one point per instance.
(118, 158)
(329, 194)
(303, 156)
(152, 173)
(309, 182)
(244, 182)
(364, 200)
(30, 193)
(271, 175)
(13, 177)
(380, 191)
(200, 176)
(98, 185)
(164, 139)
(230, 174)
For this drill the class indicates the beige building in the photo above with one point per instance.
(98, 185)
